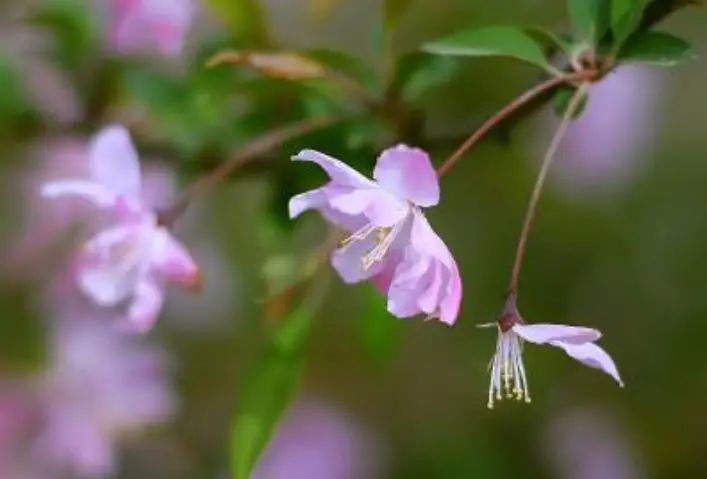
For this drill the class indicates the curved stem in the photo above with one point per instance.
(571, 110)
(251, 150)
(524, 98)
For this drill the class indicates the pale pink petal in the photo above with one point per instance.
(410, 280)
(172, 261)
(351, 208)
(591, 355)
(427, 242)
(108, 267)
(348, 261)
(94, 192)
(114, 162)
(408, 173)
(545, 333)
(145, 306)
(340, 173)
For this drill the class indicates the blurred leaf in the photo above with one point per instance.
(658, 48)
(245, 19)
(70, 21)
(270, 385)
(590, 18)
(418, 72)
(393, 10)
(287, 65)
(550, 39)
(380, 332)
(346, 64)
(562, 101)
(625, 17)
(491, 41)
(14, 100)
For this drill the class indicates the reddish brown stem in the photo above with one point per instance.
(501, 114)
(250, 151)
(572, 109)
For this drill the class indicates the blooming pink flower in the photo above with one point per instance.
(317, 441)
(391, 241)
(507, 369)
(102, 386)
(133, 257)
(136, 24)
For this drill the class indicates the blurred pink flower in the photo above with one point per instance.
(602, 148)
(132, 258)
(315, 441)
(391, 241)
(102, 386)
(508, 376)
(590, 444)
(138, 25)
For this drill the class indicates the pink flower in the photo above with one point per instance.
(317, 441)
(136, 24)
(507, 370)
(102, 386)
(133, 257)
(390, 240)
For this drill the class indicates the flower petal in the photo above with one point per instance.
(94, 192)
(172, 261)
(408, 173)
(110, 265)
(409, 282)
(145, 307)
(348, 261)
(114, 162)
(591, 355)
(545, 333)
(445, 279)
(339, 172)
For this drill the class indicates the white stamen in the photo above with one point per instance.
(383, 241)
(508, 376)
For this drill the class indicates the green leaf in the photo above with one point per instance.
(590, 18)
(492, 41)
(418, 72)
(562, 100)
(269, 386)
(380, 332)
(245, 19)
(393, 10)
(549, 39)
(657, 48)
(625, 17)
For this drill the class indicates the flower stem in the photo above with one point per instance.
(254, 148)
(501, 114)
(571, 110)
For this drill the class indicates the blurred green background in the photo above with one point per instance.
(627, 259)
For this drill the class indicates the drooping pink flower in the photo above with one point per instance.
(133, 257)
(508, 377)
(391, 241)
(317, 441)
(608, 144)
(590, 444)
(102, 386)
(143, 24)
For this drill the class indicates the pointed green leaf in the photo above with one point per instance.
(491, 41)
(625, 18)
(417, 72)
(657, 48)
(270, 385)
(590, 18)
